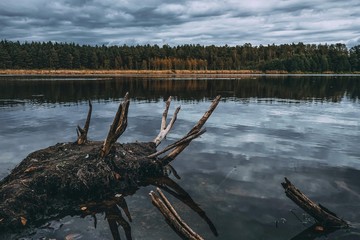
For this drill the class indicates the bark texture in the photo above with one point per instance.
(322, 215)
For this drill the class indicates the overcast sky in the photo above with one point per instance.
(176, 22)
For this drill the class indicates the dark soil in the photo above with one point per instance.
(53, 182)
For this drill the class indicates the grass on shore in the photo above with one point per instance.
(141, 72)
(120, 72)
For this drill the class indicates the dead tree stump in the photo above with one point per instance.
(56, 181)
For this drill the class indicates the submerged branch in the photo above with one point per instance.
(172, 217)
(171, 187)
(325, 217)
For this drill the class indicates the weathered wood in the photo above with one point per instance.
(172, 217)
(54, 182)
(117, 127)
(186, 139)
(82, 132)
(321, 214)
(171, 187)
(165, 129)
(196, 129)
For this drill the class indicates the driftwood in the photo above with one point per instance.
(172, 217)
(73, 178)
(324, 217)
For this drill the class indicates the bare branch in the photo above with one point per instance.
(323, 215)
(117, 127)
(173, 211)
(170, 186)
(163, 120)
(180, 142)
(82, 132)
(172, 217)
(164, 130)
(174, 153)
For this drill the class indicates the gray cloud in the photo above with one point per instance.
(174, 22)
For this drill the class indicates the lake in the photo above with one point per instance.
(306, 128)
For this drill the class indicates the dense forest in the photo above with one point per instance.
(298, 57)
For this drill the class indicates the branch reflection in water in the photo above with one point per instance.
(111, 207)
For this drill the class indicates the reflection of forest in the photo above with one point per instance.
(71, 90)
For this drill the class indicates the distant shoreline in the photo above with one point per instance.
(154, 73)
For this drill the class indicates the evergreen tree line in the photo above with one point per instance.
(285, 57)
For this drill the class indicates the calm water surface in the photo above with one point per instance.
(265, 128)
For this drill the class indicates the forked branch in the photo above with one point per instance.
(187, 138)
(195, 130)
(82, 132)
(172, 217)
(164, 130)
(117, 127)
